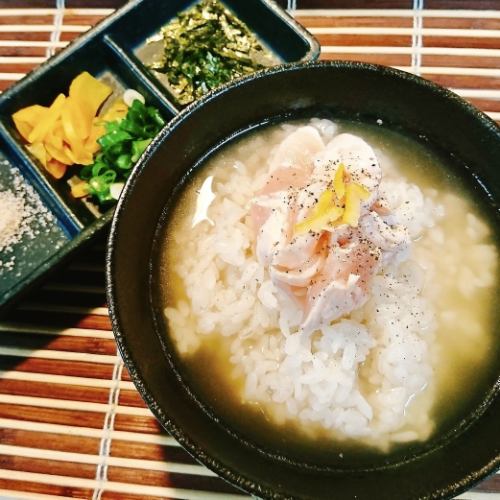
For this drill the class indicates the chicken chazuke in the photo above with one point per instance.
(331, 277)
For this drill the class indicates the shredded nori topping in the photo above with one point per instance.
(206, 46)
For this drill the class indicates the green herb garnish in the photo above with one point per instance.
(121, 146)
(205, 47)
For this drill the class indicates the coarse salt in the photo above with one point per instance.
(20, 206)
(11, 218)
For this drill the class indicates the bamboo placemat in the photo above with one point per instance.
(71, 421)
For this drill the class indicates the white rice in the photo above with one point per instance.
(356, 377)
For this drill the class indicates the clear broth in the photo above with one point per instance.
(467, 368)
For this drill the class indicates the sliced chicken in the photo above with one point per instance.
(326, 271)
(272, 236)
(392, 238)
(300, 276)
(286, 178)
(298, 150)
(343, 284)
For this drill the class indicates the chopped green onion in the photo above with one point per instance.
(138, 147)
(121, 146)
(98, 168)
(124, 161)
(113, 137)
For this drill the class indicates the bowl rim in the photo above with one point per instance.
(233, 476)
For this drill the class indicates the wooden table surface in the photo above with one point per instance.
(71, 422)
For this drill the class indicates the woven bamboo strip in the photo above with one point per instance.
(129, 437)
(332, 13)
(116, 486)
(39, 330)
(82, 458)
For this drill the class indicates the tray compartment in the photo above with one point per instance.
(41, 88)
(18, 156)
(144, 80)
(40, 232)
(286, 39)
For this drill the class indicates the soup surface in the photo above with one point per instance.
(331, 286)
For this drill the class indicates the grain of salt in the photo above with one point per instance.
(20, 205)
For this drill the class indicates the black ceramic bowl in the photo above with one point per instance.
(446, 465)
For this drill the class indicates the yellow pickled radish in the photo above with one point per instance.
(76, 151)
(69, 126)
(23, 128)
(66, 132)
(79, 187)
(25, 119)
(37, 149)
(29, 114)
(55, 136)
(76, 113)
(80, 156)
(47, 120)
(90, 93)
(96, 131)
(58, 153)
(56, 168)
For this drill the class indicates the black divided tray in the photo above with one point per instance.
(109, 52)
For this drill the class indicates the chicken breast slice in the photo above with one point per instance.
(343, 283)
(298, 150)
